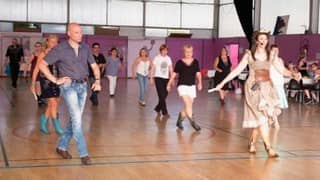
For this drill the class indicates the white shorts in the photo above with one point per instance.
(185, 90)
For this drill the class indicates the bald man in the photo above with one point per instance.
(72, 58)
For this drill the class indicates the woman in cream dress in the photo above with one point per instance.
(262, 105)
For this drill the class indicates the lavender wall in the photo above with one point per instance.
(220, 43)
(208, 54)
(176, 48)
(205, 50)
(291, 45)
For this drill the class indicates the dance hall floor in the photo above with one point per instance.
(126, 141)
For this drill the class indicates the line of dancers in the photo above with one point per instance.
(62, 70)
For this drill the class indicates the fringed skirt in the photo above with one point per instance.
(261, 105)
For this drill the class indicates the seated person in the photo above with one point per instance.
(314, 73)
(292, 67)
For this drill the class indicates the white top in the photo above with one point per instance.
(162, 64)
(143, 68)
(276, 77)
(307, 81)
(211, 73)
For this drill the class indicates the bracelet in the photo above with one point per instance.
(33, 83)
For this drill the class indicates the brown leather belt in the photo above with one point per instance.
(261, 75)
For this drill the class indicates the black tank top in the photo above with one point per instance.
(303, 71)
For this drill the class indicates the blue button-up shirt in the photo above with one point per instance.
(113, 66)
(69, 64)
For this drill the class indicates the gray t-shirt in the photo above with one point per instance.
(113, 66)
(70, 65)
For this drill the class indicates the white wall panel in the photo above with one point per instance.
(53, 28)
(197, 16)
(54, 11)
(88, 12)
(13, 10)
(153, 32)
(125, 13)
(165, 0)
(199, 1)
(163, 14)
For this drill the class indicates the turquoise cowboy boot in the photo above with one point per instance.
(43, 124)
(56, 124)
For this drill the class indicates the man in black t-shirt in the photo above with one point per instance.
(101, 61)
(14, 56)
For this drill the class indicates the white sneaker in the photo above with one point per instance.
(142, 103)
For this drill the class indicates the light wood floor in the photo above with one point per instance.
(126, 141)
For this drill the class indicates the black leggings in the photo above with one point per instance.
(161, 86)
(14, 68)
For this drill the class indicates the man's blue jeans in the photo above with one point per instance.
(74, 95)
(143, 83)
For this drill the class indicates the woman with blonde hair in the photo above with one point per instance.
(49, 90)
(140, 69)
(188, 70)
